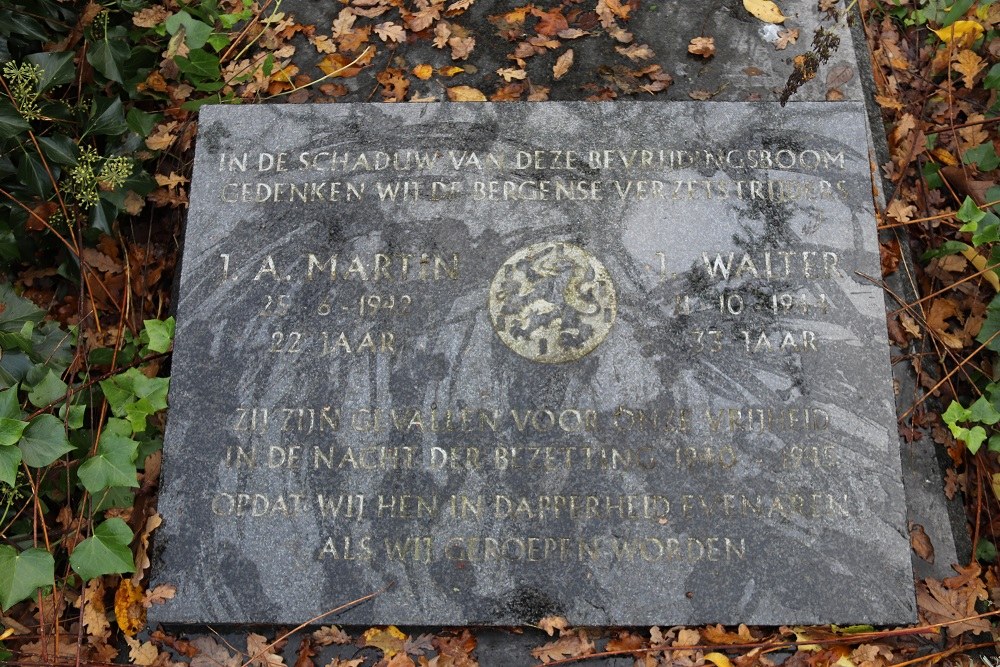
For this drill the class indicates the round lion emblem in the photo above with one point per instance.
(552, 302)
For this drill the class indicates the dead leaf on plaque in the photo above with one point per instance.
(702, 46)
(765, 10)
(921, 542)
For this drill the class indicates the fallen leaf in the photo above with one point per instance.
(211, 654)
(344, 23)
(718, 659)
(968, 64)
(129, 612)
(920, 542)
(700, 46)
(162, 137)
(389, 640)
(574, 645)
(700, 95)
(563, 63)
(962, 32)
(636, 52)
(262, 653)
(510, 74)
(461, 47)
(150, 17)
(450, 70)
(92, 610)
(330, 634)
(423, 72)
(465, 94)
(390, 32)
(141, 653)
(571, 33)
(550, 624)
(158, 595)
(785, 38)
(938, 604)
(765, 10)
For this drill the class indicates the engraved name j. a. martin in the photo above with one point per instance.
(552, 302)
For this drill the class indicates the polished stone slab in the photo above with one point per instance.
(624, 363)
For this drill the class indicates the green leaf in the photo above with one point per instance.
(160, 334)
(31, 172)
(108, 56)
(107, 117)
(48, 391)
(219, 42)
(44, 441)
(989, 230)
(140, 122)
(946, 248)
(10, 461)
(983, 156)
(982, 411)
(76, 413)
(956, 12)
(21, 574)
(988, 333)
(10, 408)
(973, 438)
(11, 431)
(200, 65)
(134, 396)
(112, 465)
(969, 211)
(57, 68)
(986, 551)
(106, 552)
(196, 33)
(993, 444)
(11, 122)
(59, 149)
(955, 413)
(992, 80)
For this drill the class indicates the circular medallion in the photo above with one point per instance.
(552, 302)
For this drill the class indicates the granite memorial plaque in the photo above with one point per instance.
(624, 363)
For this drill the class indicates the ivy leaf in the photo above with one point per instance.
(107, 56)
(160, 333)
(59, 149)
(11, 431)
(200, 65)
(107, 116)
(11, 123)
(992, 80)
(105, 552)
(112, 465)
(10, 461)
(982, 411)
(134, 396)
(21, 574)
(988, 333)
(983, 156)
(946, 248)
(44, 441)
(57, 68)
(9, 406)
(18, 312)
(49, 390)
(196, 33)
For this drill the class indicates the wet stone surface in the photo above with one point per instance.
(616, 362)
